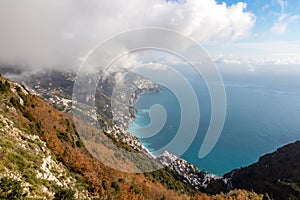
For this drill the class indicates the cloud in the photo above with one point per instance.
(259, 69)
(284, 19)
(256, 53)
(282, 23)
(257, 60)
(56, 34)
(283, 4)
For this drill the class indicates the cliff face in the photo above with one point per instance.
(277, 174)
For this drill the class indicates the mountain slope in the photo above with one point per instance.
(25, 158)
(277, 174)
(29, 118)
(42, 152)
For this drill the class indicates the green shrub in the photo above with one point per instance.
(29, 116)
(17, 160)
(21, 94)
(4, 86)
(167, 178)
(10, 189)
(64, 194)
(79, 143)
(30, 176)
(135, 188)
(104, 185)
(115, 186)
(1, 124)
(266, 197)
(15, 102)
(63, 136)
(121, 180)
(18, 89)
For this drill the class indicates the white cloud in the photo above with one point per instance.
(259, 53)
(48, 33)
(257, 60)
(283, 4)
(282, 23)
(258, 64)
(284, 19)
(244, 49)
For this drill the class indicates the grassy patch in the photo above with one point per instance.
(10, 189)
(2, 124)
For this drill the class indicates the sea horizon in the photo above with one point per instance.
(262, 113)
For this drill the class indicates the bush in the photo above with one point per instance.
(63, 136)
(104, 185)
(10, 189)
(17, 160)
(64, 194)
(30, 174)
(4, 86)
(29, 116)
(167, 178)
(79, 143)
(18, 89)
(14, 102)
(121, 180)
(1, 124)
(266, 197)
(135, 188)
(115, 186)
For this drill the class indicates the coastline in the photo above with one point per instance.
(146, 151)
(133, 111)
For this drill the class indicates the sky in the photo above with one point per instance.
(277, 17)
(274, 38)
(37, 34)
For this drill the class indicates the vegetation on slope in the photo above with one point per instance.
(42, 152)
(276, 173)
(27, 168)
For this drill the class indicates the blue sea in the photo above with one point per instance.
(263, 113)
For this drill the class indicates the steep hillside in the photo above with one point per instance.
(277, 174)
(43, 157)
(27, 166)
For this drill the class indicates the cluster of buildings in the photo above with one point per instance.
(126, 97)
(188, 173)
(125, 137)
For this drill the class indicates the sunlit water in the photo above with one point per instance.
(263, 113)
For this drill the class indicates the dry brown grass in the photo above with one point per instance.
(48, 122)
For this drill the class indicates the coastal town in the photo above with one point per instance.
(187, 172)
(60, 97)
